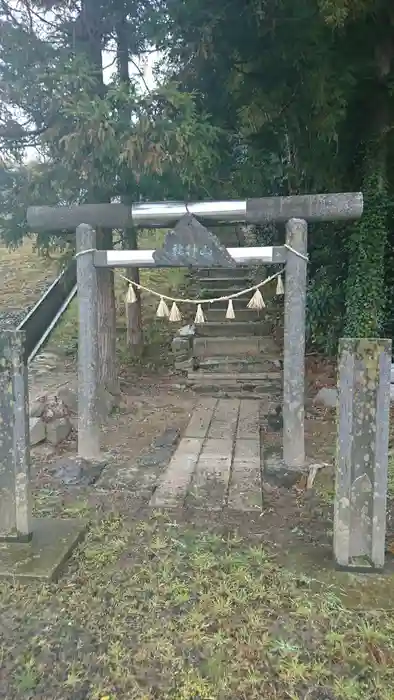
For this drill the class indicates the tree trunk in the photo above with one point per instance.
(106, 309)
(89, 42)
(135, 340)
(133, 311)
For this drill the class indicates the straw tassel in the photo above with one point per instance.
(162, 309)
(175, 314)
(131, 295)
(199, 315)
(257, 301)
(280, 290)
(230, 310)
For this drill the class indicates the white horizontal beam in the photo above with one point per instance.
(144, 258)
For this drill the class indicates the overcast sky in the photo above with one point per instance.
(141, 69)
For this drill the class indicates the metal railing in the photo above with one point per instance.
(46, 313)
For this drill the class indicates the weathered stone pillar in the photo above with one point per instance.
(294, 344)
(88, 413)
(15, 499)
(362, 453)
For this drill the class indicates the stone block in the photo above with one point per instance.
(43, 558)
(187, 331)
(180, 346)
(280, 474)
(37, 406)
(37, 430)
(240, 346)
(58, 430)
(69, 398)
(54, 408)
(74, 471)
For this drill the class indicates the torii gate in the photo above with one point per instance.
(294, 211)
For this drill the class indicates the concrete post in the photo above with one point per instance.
(88, 414)
(15, 498)
(294, 344)
(362, 453)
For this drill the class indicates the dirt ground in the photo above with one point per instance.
(151, 403)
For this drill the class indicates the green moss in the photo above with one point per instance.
(365, 286)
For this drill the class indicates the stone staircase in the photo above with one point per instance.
(239, 357)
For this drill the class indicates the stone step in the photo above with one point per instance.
(216, 283)
(219, 365)
(253, 345)
(236, 378)
(238, 304)
(206, 292)
(217, 315)
(206, 272)
(232, 328)
(240, 389)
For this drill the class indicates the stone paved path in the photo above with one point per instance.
(218, 460)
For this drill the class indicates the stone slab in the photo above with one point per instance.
(76, 471)
(239, 304)
(249, 421)
(225, 419)
(220, 326)
(241, 377)
(211, 282)
(224, 291)
(240, 346)
(206, 272)
(216, 315)
(201, 418)
(58, 430)
(43, 558)
(209, 486)
(171, 488)
(250, 365)
(245, 492)
(37, 431)
(235, 389)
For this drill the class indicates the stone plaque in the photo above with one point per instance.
(190, 244)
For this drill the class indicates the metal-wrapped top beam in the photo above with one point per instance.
(311, 207)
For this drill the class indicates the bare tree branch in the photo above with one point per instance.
(14, 131)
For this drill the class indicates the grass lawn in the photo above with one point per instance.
(154, 608)
(24, 275)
